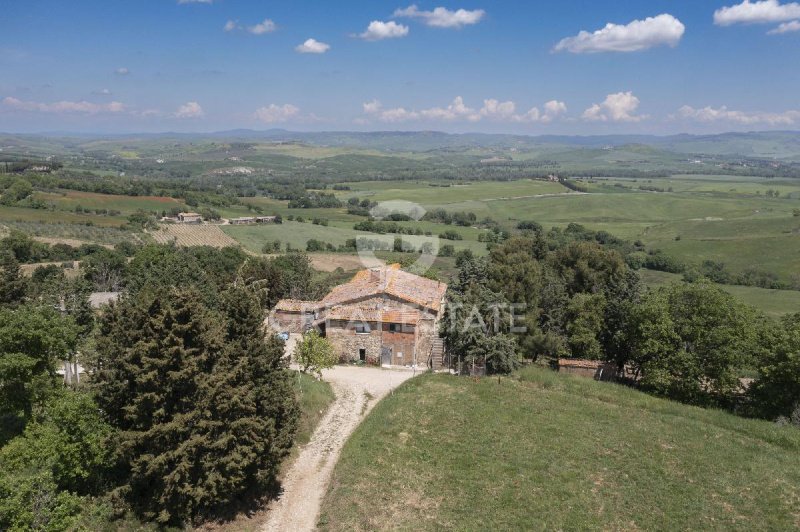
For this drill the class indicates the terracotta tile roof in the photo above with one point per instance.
(296, 305)
(390, 280)
(360, 313)
(400, 316)
(354, 313)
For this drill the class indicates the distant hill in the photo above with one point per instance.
(778, 145)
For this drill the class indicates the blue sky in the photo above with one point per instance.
(501, 66)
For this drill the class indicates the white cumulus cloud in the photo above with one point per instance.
(492, 110)
(267, 26)
(638, 35)
(272, 113)
(765, 11)
(495, 109)
(63, 106)
(312, 46)
(455, 111)
(442, 17)
(189, 110)
(378, 30)
(618, 107)
(122, 71)
(231, 25)
(786, 27)
(723, 114)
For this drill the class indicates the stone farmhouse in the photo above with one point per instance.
(381, 316)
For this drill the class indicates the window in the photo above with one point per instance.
(395, 327)
(362, 328)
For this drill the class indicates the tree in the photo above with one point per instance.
(204, 406)
(477, 321)
(776, 391)
(19, 190)
(689, 342)
(584, 315)
(500, 353)
(21, 245)
(32, 342)
(67, 438)
(289, 275)
(105, 270)
(12, 285)
(315, 353)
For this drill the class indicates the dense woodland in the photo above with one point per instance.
(188, 409)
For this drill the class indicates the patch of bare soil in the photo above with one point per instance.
(328, 262)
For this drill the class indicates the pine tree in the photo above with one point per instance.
(204, 404)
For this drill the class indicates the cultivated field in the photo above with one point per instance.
(547, 451)
(774, 303)
(69, 199)
(192, 235)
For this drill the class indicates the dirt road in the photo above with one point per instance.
(357, 390)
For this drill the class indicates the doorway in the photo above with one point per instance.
(386, 356)
(362, 355)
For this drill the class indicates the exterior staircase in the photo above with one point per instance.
(437, 354)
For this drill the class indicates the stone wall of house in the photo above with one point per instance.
(427, 330)
(347, 342)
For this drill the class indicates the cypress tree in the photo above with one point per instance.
(204, 405)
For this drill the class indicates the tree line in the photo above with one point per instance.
(544, 296)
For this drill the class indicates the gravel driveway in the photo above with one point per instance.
(357, 390)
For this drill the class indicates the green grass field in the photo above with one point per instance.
(69, 199)
(548, 451)
(253, 237)
(774, 303)
(428, 196)
(47, 216)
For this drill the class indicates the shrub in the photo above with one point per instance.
(315, 353)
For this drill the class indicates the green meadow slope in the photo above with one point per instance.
(548, 451)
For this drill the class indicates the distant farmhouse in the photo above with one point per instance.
(382, 316)
(189, 218)
(247, 220)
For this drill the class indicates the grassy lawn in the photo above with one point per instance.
(774, 303)
(548, 451)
